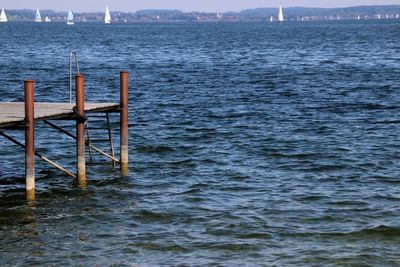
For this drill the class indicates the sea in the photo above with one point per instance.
(250, 144)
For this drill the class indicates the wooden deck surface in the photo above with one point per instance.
(13, 113)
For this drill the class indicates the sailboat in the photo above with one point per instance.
(271, 19)
(70, 18)
(38, 18)
(47, 19)
(280, 14)
(3, 16)
(107, 18)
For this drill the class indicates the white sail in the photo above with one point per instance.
(47, 19)
(3, 16)
(280, 15)
(397, 16)
(70, 18)
(38, 18)
(271, 19)
(107, 18)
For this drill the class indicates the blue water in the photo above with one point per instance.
(250, 144)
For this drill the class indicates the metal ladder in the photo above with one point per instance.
(73, 55)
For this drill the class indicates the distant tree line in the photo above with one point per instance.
(258, 14)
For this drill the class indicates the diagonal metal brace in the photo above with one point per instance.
(88, 144)
(39, 156)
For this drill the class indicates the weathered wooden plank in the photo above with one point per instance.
(12, 113)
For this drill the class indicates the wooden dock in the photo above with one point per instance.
(24, 116)
(12, 114)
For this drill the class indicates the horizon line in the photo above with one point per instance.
(198, 11)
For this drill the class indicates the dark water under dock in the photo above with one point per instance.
(250, 143)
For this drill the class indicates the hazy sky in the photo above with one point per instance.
(184, 5)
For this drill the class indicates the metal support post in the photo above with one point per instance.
(124, 122)
(80, 130)
(29, 140)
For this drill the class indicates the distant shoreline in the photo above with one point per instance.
(257, 14)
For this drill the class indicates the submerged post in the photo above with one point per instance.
(124, 122)
(29, 140)
(80, 130)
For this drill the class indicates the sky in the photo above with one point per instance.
(184, 5)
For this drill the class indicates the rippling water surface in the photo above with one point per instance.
(250, 144)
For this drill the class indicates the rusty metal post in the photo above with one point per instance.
(29, 140)
(124, 122)
(80, 130)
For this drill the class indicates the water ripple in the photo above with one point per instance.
(250, 143)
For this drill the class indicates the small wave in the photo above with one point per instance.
(327, 167)
(277, 154)
(349, 203)
(155, 149)
(234, 247)
(192, 191)
(378, 231)
(238, 177)
(12, 180)
(189, 163)
(194, 129)
(162, 247)
(327, 62)
(387, 197)
(381, 230)
(310, 198)
(254, 236)
(154, 216)
(325, 218)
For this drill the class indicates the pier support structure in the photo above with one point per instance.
(24, 115)
(29, 140)
(80, 130)
(124, 122)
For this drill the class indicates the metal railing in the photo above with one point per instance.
(72, 55)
